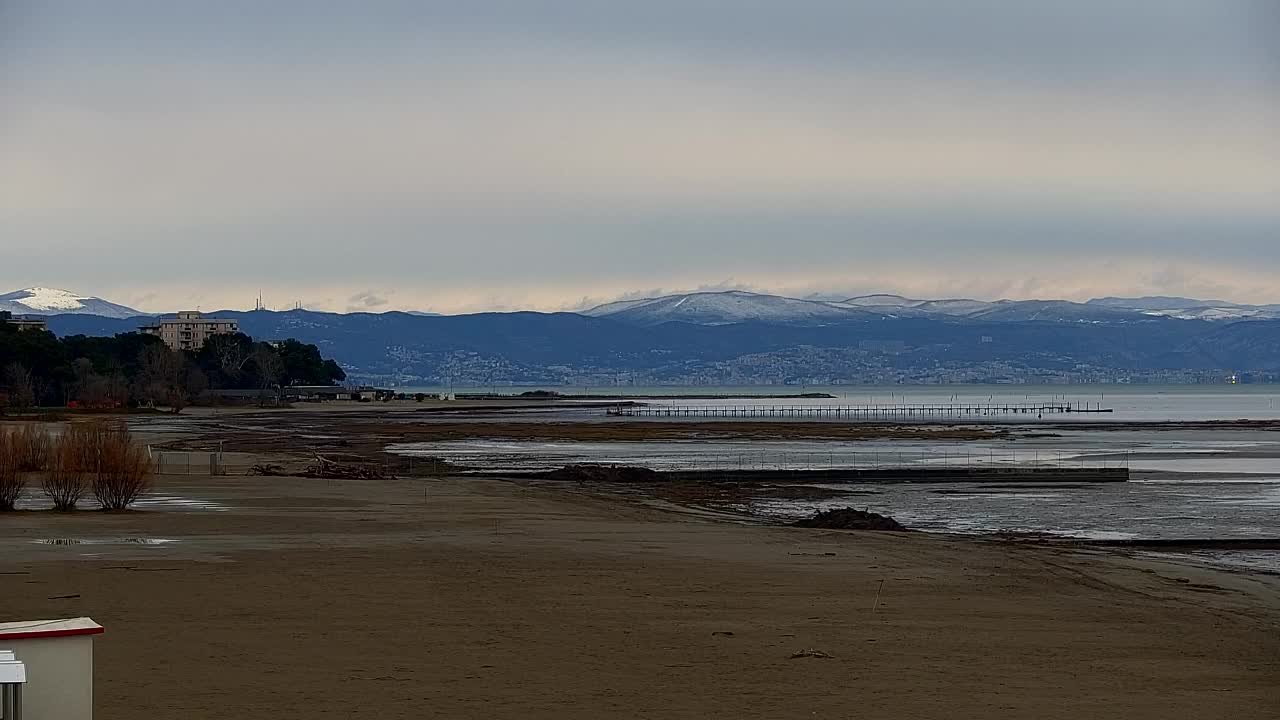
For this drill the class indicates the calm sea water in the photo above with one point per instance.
(1187, 483)
(1129, 402)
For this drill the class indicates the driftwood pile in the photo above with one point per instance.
(326, 469)
(267, 470)
(588, 473)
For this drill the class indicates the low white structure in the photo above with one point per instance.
(13, 676)
(57, 656)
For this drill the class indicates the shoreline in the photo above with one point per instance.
(384, 441)
(487, 598)
(1157, 551)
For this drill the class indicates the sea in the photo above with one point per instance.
(1187, 483)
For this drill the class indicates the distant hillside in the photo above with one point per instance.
(1023, 341)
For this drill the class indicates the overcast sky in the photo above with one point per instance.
(545, 154)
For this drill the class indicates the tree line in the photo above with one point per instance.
(38, 368)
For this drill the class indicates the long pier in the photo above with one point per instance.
(901, 412)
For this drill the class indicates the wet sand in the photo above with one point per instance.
(465, 598)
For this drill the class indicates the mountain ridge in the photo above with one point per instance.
(735, 306)
(570, 348)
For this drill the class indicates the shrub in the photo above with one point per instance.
(65, 482)
(83, 444)
(31, 446)
(12, 481)
(122, 470)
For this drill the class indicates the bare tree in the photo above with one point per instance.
(117, 387)
(22, 390)
(195, 382)
(12, 481)
(123, 468)
(162, 376)
(270, 369)
(90, 388)
(69, 465)
(231, 354)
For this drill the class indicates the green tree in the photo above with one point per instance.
(303, 365)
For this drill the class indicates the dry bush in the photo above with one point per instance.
(12, 481)
(65, 482)
(121, 472)
(32, 447)
(83, 443)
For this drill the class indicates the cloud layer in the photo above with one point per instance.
(546, 153)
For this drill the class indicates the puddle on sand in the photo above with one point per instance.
(33, 499)
(176, 502)
(103, 541)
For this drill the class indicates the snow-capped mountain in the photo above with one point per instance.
(1192, 309)
(882, 300)
(725, 308)
(50, 301)
(907, 307)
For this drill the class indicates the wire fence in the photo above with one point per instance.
(173, 462)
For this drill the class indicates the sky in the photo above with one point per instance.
(554, 154)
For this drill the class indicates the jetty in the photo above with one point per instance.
(936, 474)
(887, 413)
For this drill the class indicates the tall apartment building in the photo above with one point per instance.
(189, 330)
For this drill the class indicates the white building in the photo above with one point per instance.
(190, 330)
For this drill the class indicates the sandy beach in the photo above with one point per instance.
(468, 598)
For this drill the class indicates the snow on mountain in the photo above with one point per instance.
(1191, 309)
(959, 307)
(50, 301)
(882, 301)
(725, 308)
(614, 308)
(1159, 302)
(1230, 312)
(1051, 311)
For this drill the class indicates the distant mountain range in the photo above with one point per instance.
(726, 308)
(736, 306)
(749, 338)
(723, 308)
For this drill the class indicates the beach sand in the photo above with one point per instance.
(460, 598)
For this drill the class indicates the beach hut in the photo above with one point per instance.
(13, 675)
(56, 660)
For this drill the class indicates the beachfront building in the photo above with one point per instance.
(189, 330)
(27, 323)
(24, 322)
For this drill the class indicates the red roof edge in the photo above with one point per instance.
(35, 634)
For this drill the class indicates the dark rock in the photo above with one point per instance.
(850, 519)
